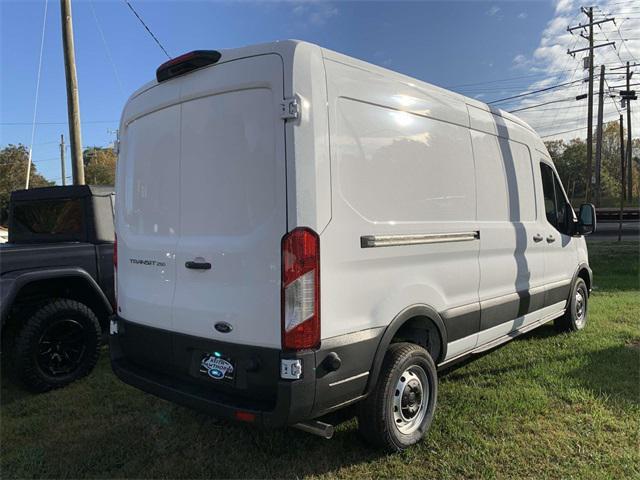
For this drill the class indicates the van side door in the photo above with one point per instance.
(560, 246)
(511, 258)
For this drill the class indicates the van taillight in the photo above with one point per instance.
(300, 290)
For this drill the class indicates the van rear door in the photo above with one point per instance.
(221, 152)
(232, 203)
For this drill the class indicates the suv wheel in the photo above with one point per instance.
(400, 409)
(58, 344)
(575, 316)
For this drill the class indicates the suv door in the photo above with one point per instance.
(560, 255)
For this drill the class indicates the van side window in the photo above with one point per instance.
(549, 195)
(556, 207)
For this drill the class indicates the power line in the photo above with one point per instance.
(147, 28)
(573, 130)
(35, 106)
(535, 91)
(541, 104)
(106, 47)
(55, 123)
(560, 133)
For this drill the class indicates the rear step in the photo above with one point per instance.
(316, 427)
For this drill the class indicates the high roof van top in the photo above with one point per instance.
(299, 231)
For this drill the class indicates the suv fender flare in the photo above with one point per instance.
(416, 310)
(11, 284)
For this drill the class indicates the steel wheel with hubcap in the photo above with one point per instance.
(411, 398)
(400, 409)
(576, 314)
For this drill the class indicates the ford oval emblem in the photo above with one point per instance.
(223, 327)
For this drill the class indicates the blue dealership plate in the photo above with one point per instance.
(217, 367)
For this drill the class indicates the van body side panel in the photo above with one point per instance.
(512, 263)
(401, 166)
(308, 166)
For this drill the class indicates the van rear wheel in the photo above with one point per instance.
(575, 316)
(400, 409)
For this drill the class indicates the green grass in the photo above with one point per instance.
(542, 406)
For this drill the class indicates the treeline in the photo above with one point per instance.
(100, 169)
(571, 161)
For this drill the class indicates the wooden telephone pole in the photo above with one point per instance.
(589, 13)
(73, 103)
(621, 177)
(599, 135)
(629, 96)
(62, 165)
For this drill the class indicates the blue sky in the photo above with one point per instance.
(451, 44)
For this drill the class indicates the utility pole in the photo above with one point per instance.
(62, 166)
(73, 103)
(599, 135)
(621, 176)
(590, 109)
(629, 96)
(589, 13)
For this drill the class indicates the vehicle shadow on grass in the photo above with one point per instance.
(612, 372)
(10, 392)
(231, 450)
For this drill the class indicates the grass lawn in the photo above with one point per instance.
(543, 406)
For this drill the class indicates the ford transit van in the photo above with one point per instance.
(299, 231)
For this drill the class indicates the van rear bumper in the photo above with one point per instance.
(257, 390)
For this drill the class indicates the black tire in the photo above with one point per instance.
(575, 316)
(57, 345)
(378, 416)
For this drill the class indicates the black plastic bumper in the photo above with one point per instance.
(162, 363)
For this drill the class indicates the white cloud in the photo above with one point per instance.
(493, 11)
(550, 65)
(564, 6)
(315, 12)
(522, 15)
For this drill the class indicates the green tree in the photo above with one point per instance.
(13, 171)
(100, 166)
(571, 162)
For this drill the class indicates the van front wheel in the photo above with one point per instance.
(575, 316)
(400, 409)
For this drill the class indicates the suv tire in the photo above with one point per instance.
(57, 345)
(575, 316)
(400, 409)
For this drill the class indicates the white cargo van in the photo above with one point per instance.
(299, 231)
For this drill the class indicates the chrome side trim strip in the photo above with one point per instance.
(355, 377)
(370, 241)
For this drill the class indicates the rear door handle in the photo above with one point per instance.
(198, 265)
(551, 239)
(537, 237)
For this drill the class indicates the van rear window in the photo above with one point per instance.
(55, 217)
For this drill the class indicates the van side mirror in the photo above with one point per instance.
(586, 219)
